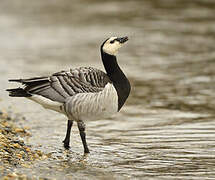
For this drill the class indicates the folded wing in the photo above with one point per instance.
(61, 85)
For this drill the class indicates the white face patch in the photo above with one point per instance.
(111, 48)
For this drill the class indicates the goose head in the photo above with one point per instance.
(112, 45)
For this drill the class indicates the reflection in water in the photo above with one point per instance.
(167, 127)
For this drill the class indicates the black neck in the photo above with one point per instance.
(118, 78)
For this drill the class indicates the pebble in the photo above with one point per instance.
(13, 150)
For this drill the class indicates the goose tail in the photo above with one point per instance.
(18, 92)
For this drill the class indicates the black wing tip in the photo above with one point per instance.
(18, 92)
(15, 80)
(31, 80)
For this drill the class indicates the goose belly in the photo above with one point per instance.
(92, 106)
(47, 103)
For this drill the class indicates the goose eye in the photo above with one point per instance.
(112, 41)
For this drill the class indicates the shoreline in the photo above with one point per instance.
(14, 151)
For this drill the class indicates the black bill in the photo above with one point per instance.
(122, 39)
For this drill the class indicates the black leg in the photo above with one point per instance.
(67, 138)
(81, 127)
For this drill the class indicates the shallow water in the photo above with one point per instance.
(166, 129)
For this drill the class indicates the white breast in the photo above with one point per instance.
(92, 106)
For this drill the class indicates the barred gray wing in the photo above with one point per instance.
(63, 84)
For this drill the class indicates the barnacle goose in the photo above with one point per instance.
(83, 93)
